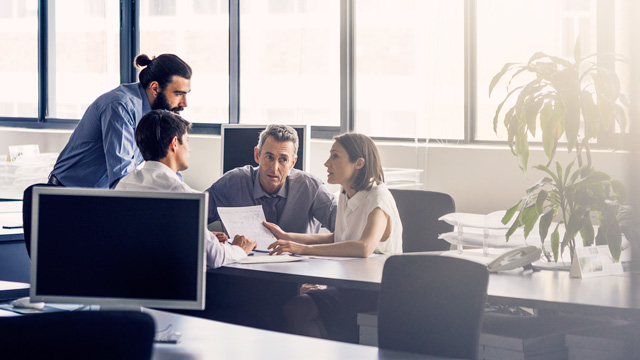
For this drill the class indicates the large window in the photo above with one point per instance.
(290, 62)
(84, 54)
(198, 32)
(513, 30)
(409, 68)
(19, 59)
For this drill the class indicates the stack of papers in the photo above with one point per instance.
(473, 229)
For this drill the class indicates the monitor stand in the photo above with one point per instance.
(121, 307)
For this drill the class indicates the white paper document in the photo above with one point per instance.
(267, 259)
(247, 221)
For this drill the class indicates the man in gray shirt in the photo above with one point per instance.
(293, 199)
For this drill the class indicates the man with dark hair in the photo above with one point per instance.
(293, 199)
(102, 149)
(164, 143)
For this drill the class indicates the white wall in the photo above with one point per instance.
(481, 179)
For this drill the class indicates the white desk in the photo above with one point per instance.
(10, 214)
(10, 290)
(14, 260)
(546, 290)
(206, 339)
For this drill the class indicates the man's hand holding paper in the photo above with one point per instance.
(247, 221)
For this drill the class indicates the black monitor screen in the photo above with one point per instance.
(238, 142)
(144, 248)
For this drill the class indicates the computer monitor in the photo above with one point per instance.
(238, 142)
(118, 249)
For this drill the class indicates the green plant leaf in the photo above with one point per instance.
(537, 56)
(542, 197)
(516, 224)
(555, 242)
(548, 124)
(515, 74)
(497, 115)
(591, 115)
(522, 149)
(555, 59)
(574, 224)
(499, 75)
(624, 100)
(619, 190)
(595, 177)
(548, 171)
(528, 218)
(575, 175)
(614, 239)
(509, 214)
(559, 181)
(621, 117)
(567, 172)
(606, 110)
(586, 231)
(572, 116)
(531, 113)
(545, 223)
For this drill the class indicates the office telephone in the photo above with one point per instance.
(515, 258)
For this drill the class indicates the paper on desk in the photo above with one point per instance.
(247, 221)
(475, 255)
(337, 257)
(267, 259)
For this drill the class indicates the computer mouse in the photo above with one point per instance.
(25, 303)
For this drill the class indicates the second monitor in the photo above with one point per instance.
(238, 142)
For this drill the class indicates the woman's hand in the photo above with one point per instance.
(283, 246)
(276, 230)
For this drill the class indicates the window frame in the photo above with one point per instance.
(130, 44)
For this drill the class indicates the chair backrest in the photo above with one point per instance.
(419, 212)
(27, 201)
(432, 305)
(78, 335)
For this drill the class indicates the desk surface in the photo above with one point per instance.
(11, 214)
(206, 339)
(548, 290)
(364, 274)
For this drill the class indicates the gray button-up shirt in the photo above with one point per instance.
(302, 204)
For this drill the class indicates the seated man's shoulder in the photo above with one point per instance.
(238, 174)
(302, 178)
(238, 177)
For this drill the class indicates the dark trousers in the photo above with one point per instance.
(245, 301)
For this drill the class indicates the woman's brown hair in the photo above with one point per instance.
(361, 146)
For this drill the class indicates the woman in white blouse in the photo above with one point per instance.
(367, 222)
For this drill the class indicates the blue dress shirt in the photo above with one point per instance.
(102, 148)
(301, 204)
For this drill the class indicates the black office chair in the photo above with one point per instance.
(27, 201)
(78, 335)
(419, 211)
(432, 304)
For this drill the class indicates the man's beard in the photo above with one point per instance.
(161, 103)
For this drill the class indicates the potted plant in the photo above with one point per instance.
(580, 102)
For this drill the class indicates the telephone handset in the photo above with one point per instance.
(515, 258)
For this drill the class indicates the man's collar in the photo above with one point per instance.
(157, 165)
(146, 106)
(259, 192)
